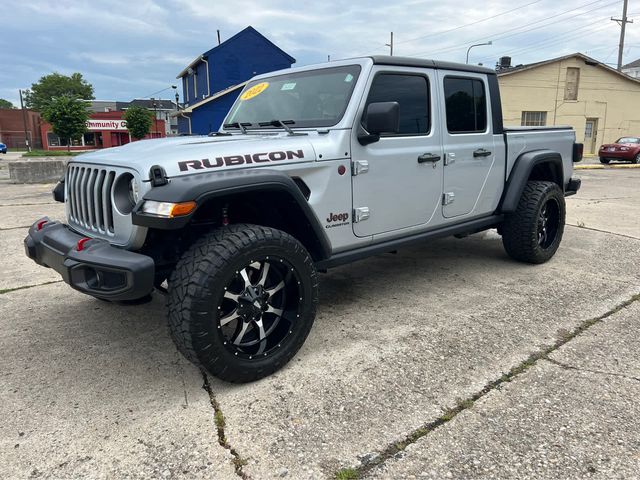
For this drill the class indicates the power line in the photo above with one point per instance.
(469, 24)
(561, 38)
(519, 31)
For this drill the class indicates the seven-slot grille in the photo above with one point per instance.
(89, 198)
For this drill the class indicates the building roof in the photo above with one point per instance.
(215, 96)
(587, 60)
(249, 29)
(635, 64)
(149, 104)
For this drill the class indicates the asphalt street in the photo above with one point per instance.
(446, 360)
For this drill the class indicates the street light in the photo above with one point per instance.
(476, 45)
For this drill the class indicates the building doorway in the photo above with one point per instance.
(591, 135)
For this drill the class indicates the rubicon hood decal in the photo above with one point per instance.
(189, 155)
(243, 159)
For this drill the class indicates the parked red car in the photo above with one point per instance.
(625, 148)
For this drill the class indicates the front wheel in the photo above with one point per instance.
(532, 233)
(604, 160)
(242, 301)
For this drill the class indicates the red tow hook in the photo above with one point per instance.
(81, 242)
(41, 224)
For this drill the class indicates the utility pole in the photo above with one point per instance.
(24, 121)
(623, 26)
(219, 42)
(390, 45)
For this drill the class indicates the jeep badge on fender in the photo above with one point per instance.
(236, 225)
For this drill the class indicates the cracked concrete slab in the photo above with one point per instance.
(550, 422)
(96, 390)
(25, 215)
(17, 269)
(25, 194)
(400, 338)
(612, 347)
(608, 201)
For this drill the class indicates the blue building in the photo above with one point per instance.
(213, 81)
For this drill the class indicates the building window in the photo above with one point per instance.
(572, 83)
(90, 139)
(466, 105)
(53, 140)
(534, 119)
(412, 94)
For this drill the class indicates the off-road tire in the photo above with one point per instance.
(197, 287)
(604, 160)
(520, 230)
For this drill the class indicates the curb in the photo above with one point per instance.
(608, 167)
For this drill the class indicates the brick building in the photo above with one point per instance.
(104, 129)
(12, 128)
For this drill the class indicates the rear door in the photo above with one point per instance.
(467, 140)
(397, 180)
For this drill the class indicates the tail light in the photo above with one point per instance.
(578, 151)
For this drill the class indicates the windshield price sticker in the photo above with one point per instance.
(255, 91)
(288, 86)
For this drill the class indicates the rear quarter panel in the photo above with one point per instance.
(521, 140)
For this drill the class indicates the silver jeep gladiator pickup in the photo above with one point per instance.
(314, 167)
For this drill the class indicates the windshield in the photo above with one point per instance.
(629, 140)
(316, 98)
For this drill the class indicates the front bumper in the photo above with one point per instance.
(617, 155)
(97, 269)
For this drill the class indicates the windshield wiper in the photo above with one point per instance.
(281, 123)
(238, 125)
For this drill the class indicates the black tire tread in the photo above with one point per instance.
(519, 234)
(208, 255)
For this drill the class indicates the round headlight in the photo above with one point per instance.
(134, 192)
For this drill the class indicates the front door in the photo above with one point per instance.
(591, 135)
(467, 140)
(397, 180)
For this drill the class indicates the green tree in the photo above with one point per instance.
(139, 121)
(68, 116)
(55, 85)
(6, 103)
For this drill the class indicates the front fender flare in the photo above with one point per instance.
(201, 187)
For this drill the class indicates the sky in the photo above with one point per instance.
(135, 48)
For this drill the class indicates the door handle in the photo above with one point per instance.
(481, 152)
(428, 157)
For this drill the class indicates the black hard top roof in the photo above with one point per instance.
(423, 63)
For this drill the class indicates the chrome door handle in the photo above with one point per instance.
(481, 152)
(428, 157)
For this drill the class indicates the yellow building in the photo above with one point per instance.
(599, 102)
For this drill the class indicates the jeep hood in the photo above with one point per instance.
(193, 154)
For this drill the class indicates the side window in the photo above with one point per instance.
(412, 94)
(466, 105)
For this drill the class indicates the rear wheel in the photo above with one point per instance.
(636, 159)
(533, 232)
(242, 301)
(604, 160)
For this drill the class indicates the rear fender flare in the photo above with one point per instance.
(521, 173)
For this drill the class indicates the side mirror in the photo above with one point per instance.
(380, 117)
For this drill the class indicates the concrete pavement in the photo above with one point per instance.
(98, 390)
